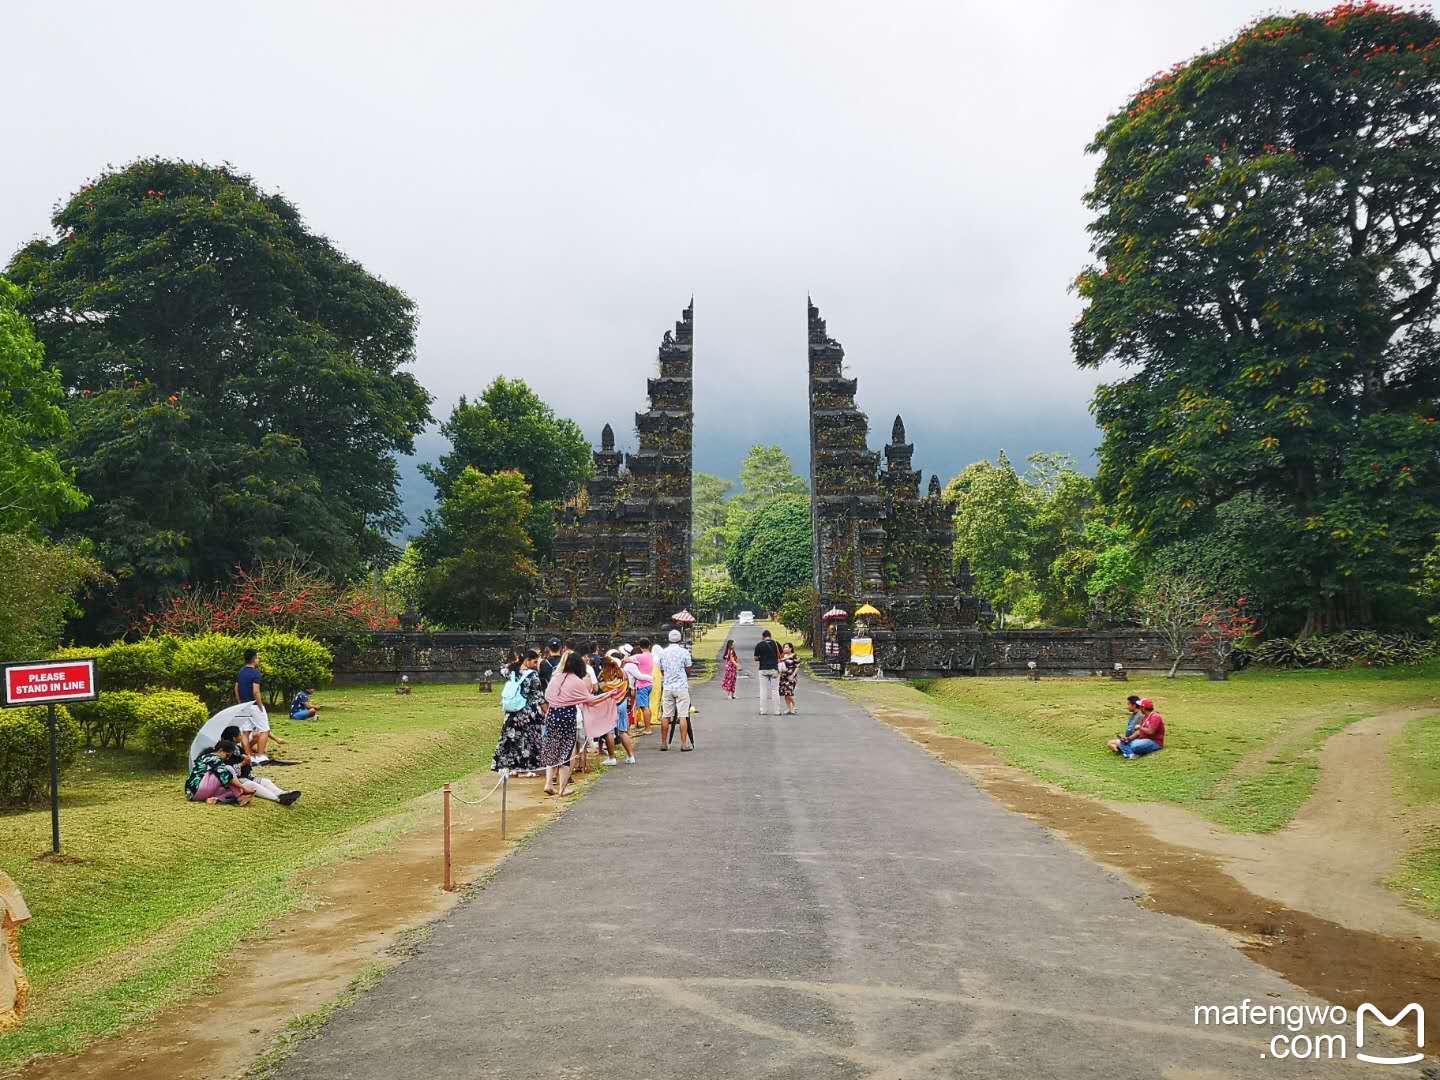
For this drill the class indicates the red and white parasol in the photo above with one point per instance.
(682, 617)
(836, 613)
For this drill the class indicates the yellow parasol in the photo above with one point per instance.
(866, 609)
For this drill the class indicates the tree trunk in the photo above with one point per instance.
(1175, 666)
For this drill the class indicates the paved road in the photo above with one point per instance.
(806, 896)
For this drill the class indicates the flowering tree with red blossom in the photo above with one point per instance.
(1267, 264)
(1221, 629)
(282, 595)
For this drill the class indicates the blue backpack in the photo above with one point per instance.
(511, 699)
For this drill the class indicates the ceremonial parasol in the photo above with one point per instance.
(682, 617)
(866, 609)
(835, 613)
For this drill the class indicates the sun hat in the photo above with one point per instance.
(674, 635)
(1147, 704)
(627, 649)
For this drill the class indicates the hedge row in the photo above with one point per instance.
(206, 666)
(158, 717)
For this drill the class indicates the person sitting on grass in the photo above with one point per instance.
(213, 779)
(1132, 710)
(300, 707)
(1149, 734)
(262, 786)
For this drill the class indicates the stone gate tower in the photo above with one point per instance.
(877, 539)
(622, 548)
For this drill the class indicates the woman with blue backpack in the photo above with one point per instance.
(522, 697)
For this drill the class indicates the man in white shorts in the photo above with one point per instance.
(254, 721)
(675, 665)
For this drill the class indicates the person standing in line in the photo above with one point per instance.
(518, 748)
(612, 679)
(789, 675)
(567, 692)
(550, 664)
(675, 663)
(767, 656)
(731, 660)
(644, 661)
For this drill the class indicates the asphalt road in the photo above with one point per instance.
(807, 896)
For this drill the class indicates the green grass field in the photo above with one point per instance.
(151, 888)
(1242, 752)
(1417, 784)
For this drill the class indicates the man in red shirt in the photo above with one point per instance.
(1148, 737)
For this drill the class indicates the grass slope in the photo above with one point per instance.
(152, 889)
(1416, 761)
(1242, 753)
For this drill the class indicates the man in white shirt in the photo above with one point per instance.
(675, 665)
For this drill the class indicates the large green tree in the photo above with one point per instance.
(509, 426)
(772, 554)
(708, 510)
(1267, 243)
(191, 287)
(766, 475)
(477, 554)
(39, 585)
(35, 488)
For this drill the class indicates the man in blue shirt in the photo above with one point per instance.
(255, 721)
(300, 708)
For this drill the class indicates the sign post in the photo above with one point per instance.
(49, 683)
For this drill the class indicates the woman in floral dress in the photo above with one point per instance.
(732, 669)
(789, 675)
(519, 747)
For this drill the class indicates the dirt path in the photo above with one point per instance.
(358, 914)
(1333, 859)
(1391, 956)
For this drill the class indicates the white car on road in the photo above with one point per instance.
(747, 617)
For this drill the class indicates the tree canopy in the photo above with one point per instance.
(477, 554)
(708, 514)
(1266, 238)
(509, 426)
(35, 488)
(219, 333)
(772, 554)
(766, 475)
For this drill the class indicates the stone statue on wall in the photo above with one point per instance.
(14, 987)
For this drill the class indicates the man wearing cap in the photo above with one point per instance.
(675, 664)
(1149, 735)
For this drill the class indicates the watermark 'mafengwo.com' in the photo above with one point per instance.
(1321, 1032)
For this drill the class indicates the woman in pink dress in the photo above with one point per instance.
(732, 669)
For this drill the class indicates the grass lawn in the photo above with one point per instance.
(152, 888)
(1241, 753)
(1417, 783)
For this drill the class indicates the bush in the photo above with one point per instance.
(137, 665)
(206, 666)
(169, 720)
(291, 663)
(110, 719)
(25, 752)
(1364, 648)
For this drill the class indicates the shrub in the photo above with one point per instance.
(169, 720)
(206, 666)
(1364, 648)
(291, 663)
(110, 719)
(137, 665)
(25, 752)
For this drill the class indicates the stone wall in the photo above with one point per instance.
(465, 657)
(1009, 652)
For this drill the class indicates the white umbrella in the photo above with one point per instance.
(209, 735)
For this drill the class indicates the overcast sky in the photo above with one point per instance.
(552, 181)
